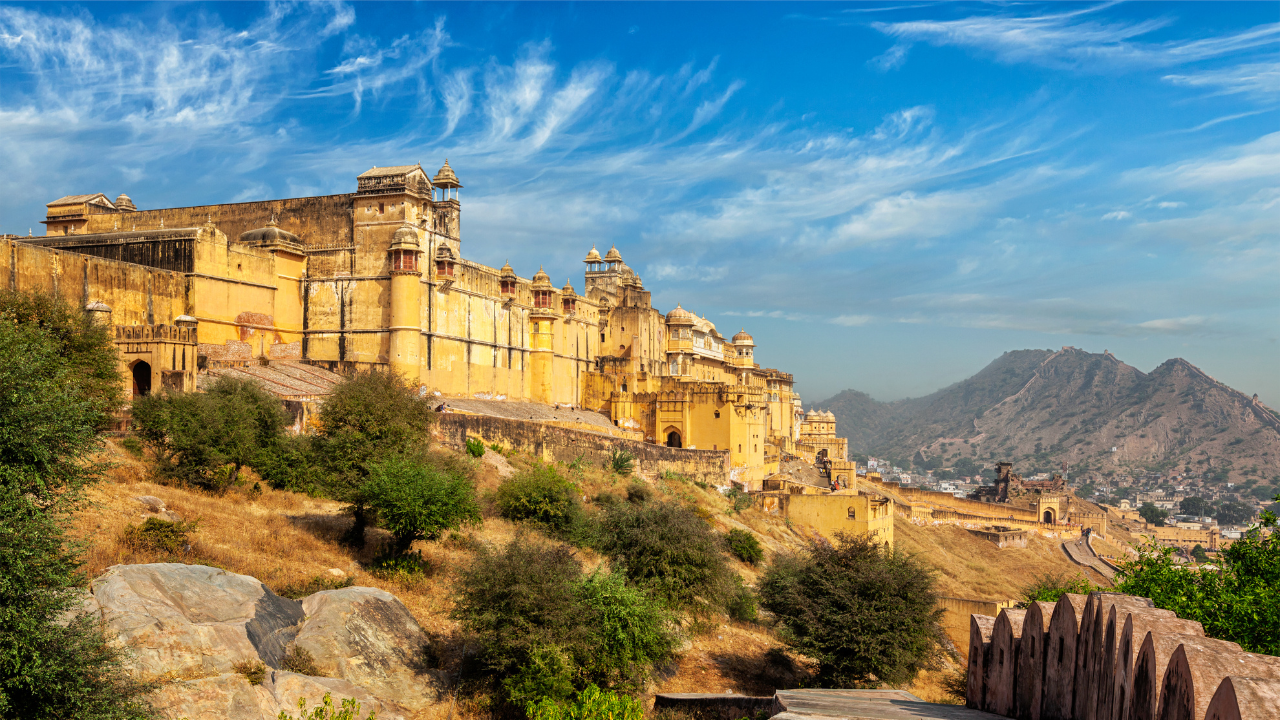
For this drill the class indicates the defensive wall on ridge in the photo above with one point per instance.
(563, 444)
(1108, 656)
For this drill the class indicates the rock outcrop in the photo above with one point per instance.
(368, 637)
(190, 625)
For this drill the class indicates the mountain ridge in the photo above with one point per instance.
(1091, 411)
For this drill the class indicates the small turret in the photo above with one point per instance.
(507, 277)
(125, 204)
(594, 262)
(446, 183)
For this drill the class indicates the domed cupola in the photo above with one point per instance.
(271, 236)
(542, 289)
(742, 338)
(594, 262)
(680, 316)
(568, 298)
(125, 204)
(507, 279)
(405, 238)
(446, 183)
(404, 250)
(613, 258)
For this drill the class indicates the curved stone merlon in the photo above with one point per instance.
(1244, 698)
(980, 628)
(1196, 669)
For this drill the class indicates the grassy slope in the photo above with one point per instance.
(287, 539)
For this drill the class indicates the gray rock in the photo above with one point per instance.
(368, 637)
(191, 620)
(230, 697)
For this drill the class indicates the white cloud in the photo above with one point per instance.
(1075, 39)
(1117, 215)
(1171, 205)
(1258, 79)
(851, 320)
(891, 59)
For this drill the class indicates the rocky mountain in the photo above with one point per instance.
(1088, 410)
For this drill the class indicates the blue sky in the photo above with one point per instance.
(886, 195)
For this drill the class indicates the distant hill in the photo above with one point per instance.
(1041, 408)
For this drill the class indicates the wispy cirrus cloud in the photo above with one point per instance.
(1078, 39)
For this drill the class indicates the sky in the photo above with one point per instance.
(886, 195)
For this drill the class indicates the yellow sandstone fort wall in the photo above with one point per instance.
(565, 445)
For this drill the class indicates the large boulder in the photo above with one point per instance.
(368, 637)
(184, 621)
(230, 697)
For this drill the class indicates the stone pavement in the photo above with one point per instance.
(820, 705)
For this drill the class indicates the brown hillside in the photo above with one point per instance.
(288, 539)
(1074, 406)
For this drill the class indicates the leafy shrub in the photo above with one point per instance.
(956, 685)
(590, 704)
(673, 476)
(1049, 587)
(741, 604)
(373, 414)
(415, 500)
(744, 546)
(252, 670)
(162, 536)
(326, 710)
(405, 568)
(300, 660)
(204, 439)
(667, 549)
(543, 496)
(475, 447)
(622, 462)
(1237, 603)
(638, 492)
(546, 629)
(317, 583)
(868, 614)
(738, 500)
(132, 445)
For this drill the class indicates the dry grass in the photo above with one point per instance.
(287, 539)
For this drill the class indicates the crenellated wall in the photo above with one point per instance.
(562, 444)
(1108, 656)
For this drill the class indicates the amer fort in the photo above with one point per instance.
(294, 292)
(297, 292)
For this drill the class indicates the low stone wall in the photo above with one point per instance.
(561, 444)
(716, 706)
(1002, 537)
(1107, 656)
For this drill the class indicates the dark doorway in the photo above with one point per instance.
(822, 455)
(673, 439)
(1048, 516)
(141, 379)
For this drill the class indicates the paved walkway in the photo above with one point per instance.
(869, 704)
(822, 705)
(518, 410)
(1082, 553)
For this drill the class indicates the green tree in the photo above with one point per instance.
(744, 546)
(371, 416)
(205, 439)
(668, 550)
(1231, 512)
(1049, 587)
(1238, 602)
(1194, 505)
(1199, 554)
(545, 629)
(1152, 514)
(58, 387)
(541, 495)
(415, 500)
(868, 614)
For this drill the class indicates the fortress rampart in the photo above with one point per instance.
(563, 444)
(1108, 656)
